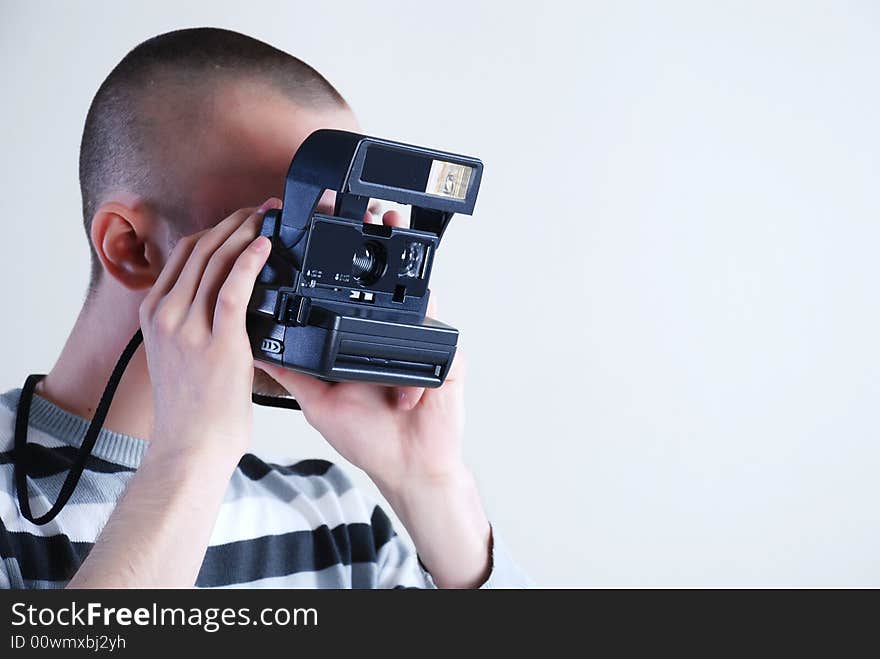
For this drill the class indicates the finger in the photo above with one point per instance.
(220, 265)
(271, 202)
(232, 299)
(171, 270)
(373, 214)
(432, 305)
(454, 382)
(181, 295)
(307, 390)
(395, 219)
(459, 367)
(406, 398)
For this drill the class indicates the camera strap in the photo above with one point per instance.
(22, 415)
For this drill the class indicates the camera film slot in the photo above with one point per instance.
(364, 357)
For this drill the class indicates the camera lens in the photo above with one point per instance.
(368, 263)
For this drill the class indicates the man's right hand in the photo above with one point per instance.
(199, 357)
(201, 369)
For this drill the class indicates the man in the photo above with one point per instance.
(189, 127)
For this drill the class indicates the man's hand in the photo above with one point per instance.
(197, 347)
(201, 368)
(409, 441)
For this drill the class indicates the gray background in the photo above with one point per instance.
(667, 294)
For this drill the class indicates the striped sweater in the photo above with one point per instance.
(297, 526)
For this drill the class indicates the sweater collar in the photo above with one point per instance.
(70, 429)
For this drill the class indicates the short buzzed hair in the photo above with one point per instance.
(121, 134)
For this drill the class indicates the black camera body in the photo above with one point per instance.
(343, 300)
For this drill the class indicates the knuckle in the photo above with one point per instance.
(254, 221)
(244, 262)
(228, 300)
(163, 323)
(215, 262)
(250, 260)
(239, 216)
(202, 248)
(184, 243)
(145, 310)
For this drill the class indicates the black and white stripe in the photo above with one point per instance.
(302, 525)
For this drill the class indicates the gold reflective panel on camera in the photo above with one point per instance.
(447, 179)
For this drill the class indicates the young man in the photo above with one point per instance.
(188, 128)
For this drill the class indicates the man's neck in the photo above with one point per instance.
(75, 384)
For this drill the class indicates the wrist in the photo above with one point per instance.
(192, 457)
(445, 519)
(417, 485)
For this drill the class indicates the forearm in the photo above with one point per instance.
(447, 523)
(159, 531)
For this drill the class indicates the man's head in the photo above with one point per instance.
(190, 126)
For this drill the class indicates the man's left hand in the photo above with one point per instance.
(409, 441)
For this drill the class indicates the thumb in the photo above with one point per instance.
(432, 306)
(307, 390)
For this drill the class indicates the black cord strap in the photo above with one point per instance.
(275, 401)
(88, 444)
(22, 416)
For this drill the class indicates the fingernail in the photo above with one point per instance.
(266, 205)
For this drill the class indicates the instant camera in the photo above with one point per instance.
(343, 300)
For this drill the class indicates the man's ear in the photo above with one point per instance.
(125, 240)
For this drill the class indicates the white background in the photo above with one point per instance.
(667, 293)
